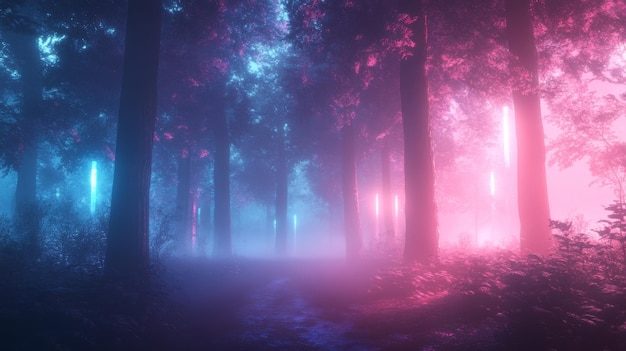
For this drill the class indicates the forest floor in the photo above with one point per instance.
(257, 304)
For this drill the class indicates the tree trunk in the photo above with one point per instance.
(422, 237)
(532, 198)
(204, 220)
(26, 49)
(352, 224)
(127, 252)
(386, 203)
(282, 185)
(184, 203)
(222, 243)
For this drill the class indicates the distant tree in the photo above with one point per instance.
(127, 240)
(206, 96)
(586, 93)
(587, 120)
(343, 43)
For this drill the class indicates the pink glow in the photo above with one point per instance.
(376, 206)
(506, 137)
(492, 183)
(75, 135)
(396, 207)
(194, 221)
(110, 153)
(371, 60)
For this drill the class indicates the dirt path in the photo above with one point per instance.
(303, 305)
(267, 304)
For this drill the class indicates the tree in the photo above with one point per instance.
(422, 238)
(127, 240)
(532, 189)
(22, 35)
(343, 43)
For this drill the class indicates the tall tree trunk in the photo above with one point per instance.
(26, 49)
(222, 243)
(422, 237)
(386, 203)
(184, 202)
(204, 220)
(282, 186)
(532, 198)
(127, 251)
(351, 217)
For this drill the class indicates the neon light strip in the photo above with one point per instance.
(396, 205)
(506, 138)
(376, 206)
(94, 183)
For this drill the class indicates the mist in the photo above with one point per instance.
(317, 175)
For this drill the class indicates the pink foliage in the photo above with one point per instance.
(313, 13)
(110, 153)
(221, 65)
(75, 135)
(371, 60)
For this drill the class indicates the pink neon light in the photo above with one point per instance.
(506, 138)
(377, 206)
(396, 207)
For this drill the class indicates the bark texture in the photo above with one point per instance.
(222, 243)
(351, 217)
(25, 46)
(127, 252)
(281, 196)
(422, 236)
(386, 203)
(185, 197)
(532, 190)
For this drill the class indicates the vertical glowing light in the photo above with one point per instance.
(274, 230)
(295, 231)
(492, 183)
(506, 138)
(376, 206)
(194, 226)
(376, 219)
(396, 207)
(94, 184)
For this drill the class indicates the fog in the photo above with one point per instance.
(312, 175)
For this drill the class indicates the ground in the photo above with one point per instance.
(292, 304)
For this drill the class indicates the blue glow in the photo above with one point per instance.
(94, 184)
(47, 48)
(295, 232)
(174, 7)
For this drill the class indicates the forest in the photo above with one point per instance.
(313, 175)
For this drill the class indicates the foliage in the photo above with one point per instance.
(162, 238)
(73, 239)
(569, 300)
